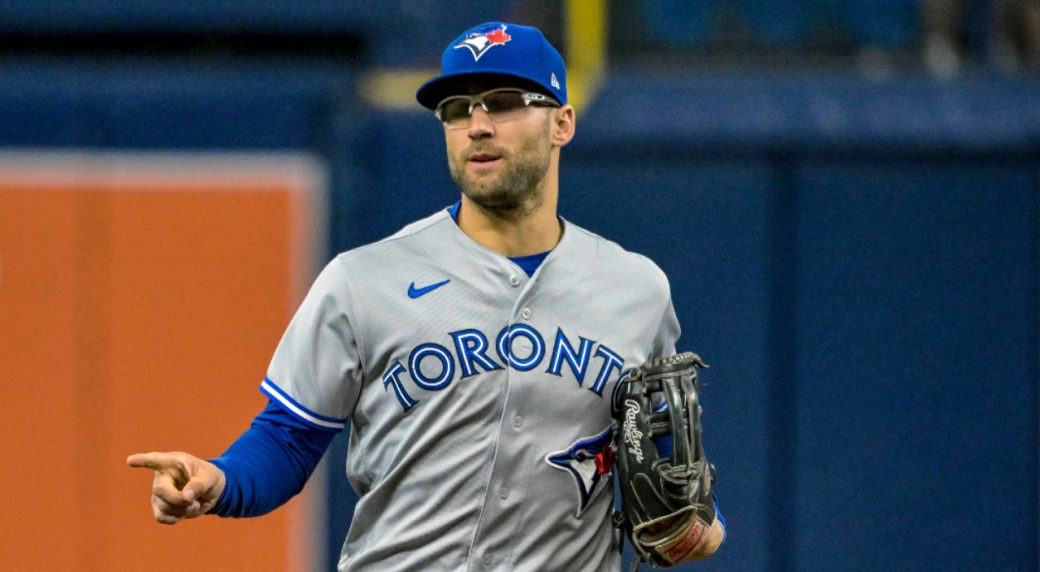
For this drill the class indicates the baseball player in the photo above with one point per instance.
(475, 354)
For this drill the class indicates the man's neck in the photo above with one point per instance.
(513, 233)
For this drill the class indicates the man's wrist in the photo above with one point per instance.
(220, 508)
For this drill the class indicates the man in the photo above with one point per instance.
(474, 353)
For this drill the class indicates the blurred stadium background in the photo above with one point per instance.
(843, 192)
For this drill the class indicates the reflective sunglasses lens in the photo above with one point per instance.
(454, 110)
(504, 103)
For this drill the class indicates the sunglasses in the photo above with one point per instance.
(500, 104)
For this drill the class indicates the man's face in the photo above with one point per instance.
(500, 164)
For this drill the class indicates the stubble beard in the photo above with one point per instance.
(515, 189)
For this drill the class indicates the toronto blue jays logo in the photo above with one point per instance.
(589, 460)
(480, 42)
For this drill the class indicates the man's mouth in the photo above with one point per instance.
(481, 158)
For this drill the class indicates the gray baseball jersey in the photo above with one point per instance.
(479, 398)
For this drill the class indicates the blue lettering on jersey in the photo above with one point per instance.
(563, 350)
(392, 378)
(505, 346)
(440, 354)
(610, 361)
(431, 366)
(470, 346)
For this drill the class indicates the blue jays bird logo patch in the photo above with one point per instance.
(479, 43)
(589, 460)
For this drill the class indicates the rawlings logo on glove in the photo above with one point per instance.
(631, 432)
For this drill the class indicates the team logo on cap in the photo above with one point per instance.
(480, 42)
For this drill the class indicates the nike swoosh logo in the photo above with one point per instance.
(414, 292)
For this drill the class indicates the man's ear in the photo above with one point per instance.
(563, 125)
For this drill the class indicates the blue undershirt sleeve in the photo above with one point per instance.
(720, 517)
(269, 463)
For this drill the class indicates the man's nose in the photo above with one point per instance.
(480, 124)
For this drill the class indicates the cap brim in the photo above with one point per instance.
(434, 91)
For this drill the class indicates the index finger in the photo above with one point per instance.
(154, 461)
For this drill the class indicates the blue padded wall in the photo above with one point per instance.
(168, 104)
(917, 365)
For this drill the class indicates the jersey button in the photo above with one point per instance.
(503, 493)
(525, 313)
(514, 280)
(518, 421)
(488, 559)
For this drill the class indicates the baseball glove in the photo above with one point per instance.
(666, 501)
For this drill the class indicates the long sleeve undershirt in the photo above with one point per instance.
(269, 463)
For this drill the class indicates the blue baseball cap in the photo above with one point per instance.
(510, 53)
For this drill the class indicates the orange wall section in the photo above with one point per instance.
(138, 313)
